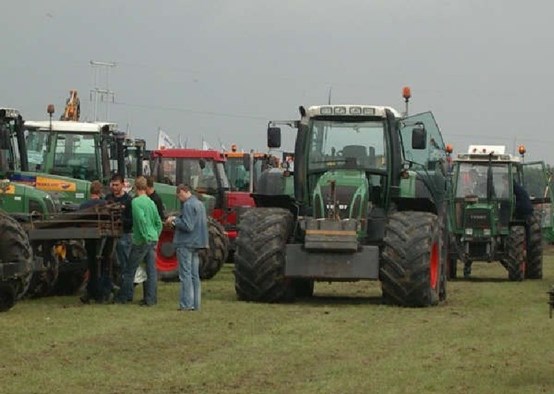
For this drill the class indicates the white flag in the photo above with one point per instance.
(164, 142)
(205, 145)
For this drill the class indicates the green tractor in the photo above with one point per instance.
(483, 220)
(368, 203)
(30, 267)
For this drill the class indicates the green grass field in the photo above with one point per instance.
(491, 336)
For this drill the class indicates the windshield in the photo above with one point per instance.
(75, 155)
(354, 144)
(238, 174)
(200, 174)
(472, 180)
(37, 143)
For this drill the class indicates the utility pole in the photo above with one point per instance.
(98, 93)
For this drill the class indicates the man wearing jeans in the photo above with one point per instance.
(147, 227)
(123, 245)
(191, 235)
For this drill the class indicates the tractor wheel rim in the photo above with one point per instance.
(434, 265)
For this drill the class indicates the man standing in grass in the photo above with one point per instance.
(147, 227)
(99, 285)
(191, 235)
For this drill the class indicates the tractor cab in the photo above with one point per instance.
(202, 170)
(18, 197)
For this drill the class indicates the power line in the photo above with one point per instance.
(187, 110)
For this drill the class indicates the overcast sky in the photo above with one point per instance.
(220, 70)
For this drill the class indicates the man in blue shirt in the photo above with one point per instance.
(191, 235)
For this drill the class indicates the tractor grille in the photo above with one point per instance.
(344, 198)
(477, 219)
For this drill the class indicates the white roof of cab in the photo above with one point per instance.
(68, 126)
(10, 112)
(379, 110)
(486, 149)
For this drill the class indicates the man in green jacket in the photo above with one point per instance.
(147, 227)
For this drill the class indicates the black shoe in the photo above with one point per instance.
(144, 303)
(186, 310)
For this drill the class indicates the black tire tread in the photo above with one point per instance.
(404, 273)
(515, 247)
(260, 256)
(15, 247)
(212, 259)
(533, 266)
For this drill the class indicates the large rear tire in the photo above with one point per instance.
(413, 260)
(212, 259)
(514, 262)
(16, 256)
(533, 266)
(260, 256)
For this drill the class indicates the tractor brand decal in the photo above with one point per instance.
(24, 179)
(55, 185)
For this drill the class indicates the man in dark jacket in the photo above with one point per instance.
(524, 207)
(99, 285)
(151, 192)
(118, 195)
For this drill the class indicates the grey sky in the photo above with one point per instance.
(222, 69)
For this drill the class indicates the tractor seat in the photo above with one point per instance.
(358, 152)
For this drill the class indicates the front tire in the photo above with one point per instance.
(14, 249)
(514, 261)
(260, 256)
(533, 267)
(413, 260)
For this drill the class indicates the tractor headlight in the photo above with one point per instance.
(469, 231)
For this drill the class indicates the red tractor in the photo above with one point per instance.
(203, 171)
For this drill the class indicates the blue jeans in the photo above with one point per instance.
(144, 252)
(122, 250)
(189, 294)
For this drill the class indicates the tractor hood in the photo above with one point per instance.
(347, 190)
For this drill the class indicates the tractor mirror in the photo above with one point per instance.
(419, 138)
(273, 137)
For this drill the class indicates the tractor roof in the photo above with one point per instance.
(8, 113)
(350, 110)
(481, 153)
(69, 126)
(180, 153)
(240, 155)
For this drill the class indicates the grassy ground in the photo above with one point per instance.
(491, 336)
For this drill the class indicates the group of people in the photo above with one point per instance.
(143, 218)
